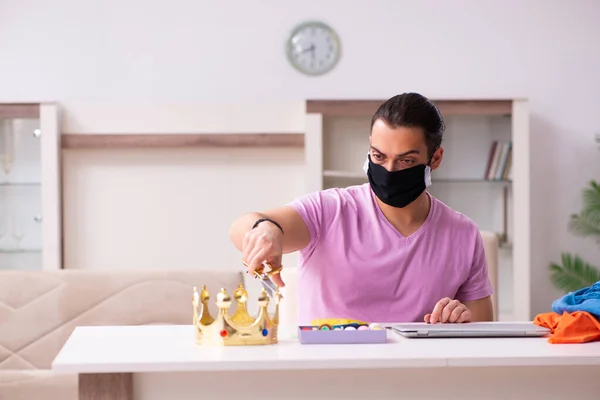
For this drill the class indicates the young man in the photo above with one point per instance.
(386, 251)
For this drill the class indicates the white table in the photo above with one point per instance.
(163, 362)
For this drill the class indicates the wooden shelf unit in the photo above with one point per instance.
(174, 140)
(336, 145)
(19, 110)
(334, 134)
(366, 108)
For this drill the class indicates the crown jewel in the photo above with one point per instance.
(239, 329)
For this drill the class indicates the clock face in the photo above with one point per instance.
(313, 48)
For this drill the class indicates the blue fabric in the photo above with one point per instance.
(586, 299)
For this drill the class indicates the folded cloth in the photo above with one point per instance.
(586, 299)
(576, 327)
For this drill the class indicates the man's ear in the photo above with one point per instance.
(436, 160)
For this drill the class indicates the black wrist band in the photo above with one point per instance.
(267, 220)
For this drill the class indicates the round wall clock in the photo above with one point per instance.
(313, 48)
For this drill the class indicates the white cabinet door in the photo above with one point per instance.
(29, 187)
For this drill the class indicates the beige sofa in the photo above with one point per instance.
(39, 310)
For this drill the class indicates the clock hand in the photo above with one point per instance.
(310, 48)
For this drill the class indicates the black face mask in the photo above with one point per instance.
(397, 188)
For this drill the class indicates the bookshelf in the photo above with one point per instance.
(484, 173)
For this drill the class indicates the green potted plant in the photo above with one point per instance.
(574, 273)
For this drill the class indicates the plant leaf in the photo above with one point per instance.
(587, 222)
(573, 273)
(591, 196)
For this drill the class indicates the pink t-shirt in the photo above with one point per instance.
(358, 266)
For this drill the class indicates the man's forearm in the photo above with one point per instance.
(295, 234)
(242, 225)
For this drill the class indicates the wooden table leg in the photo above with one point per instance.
(106, 386)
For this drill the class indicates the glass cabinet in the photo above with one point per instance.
(29, 187)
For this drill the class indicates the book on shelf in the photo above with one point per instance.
(499, 165)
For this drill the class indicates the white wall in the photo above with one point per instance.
(168, 208)
(159, 52)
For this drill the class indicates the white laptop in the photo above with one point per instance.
(469, 330)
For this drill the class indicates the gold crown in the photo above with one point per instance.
(240, 329)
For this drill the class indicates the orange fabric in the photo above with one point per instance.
(576, 327)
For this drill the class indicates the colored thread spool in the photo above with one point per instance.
(344, 326)
(336, 321)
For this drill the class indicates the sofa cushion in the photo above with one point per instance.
(39, 310)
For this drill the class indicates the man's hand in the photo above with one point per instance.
(448, 311)
(266, 242)
(263, 244)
